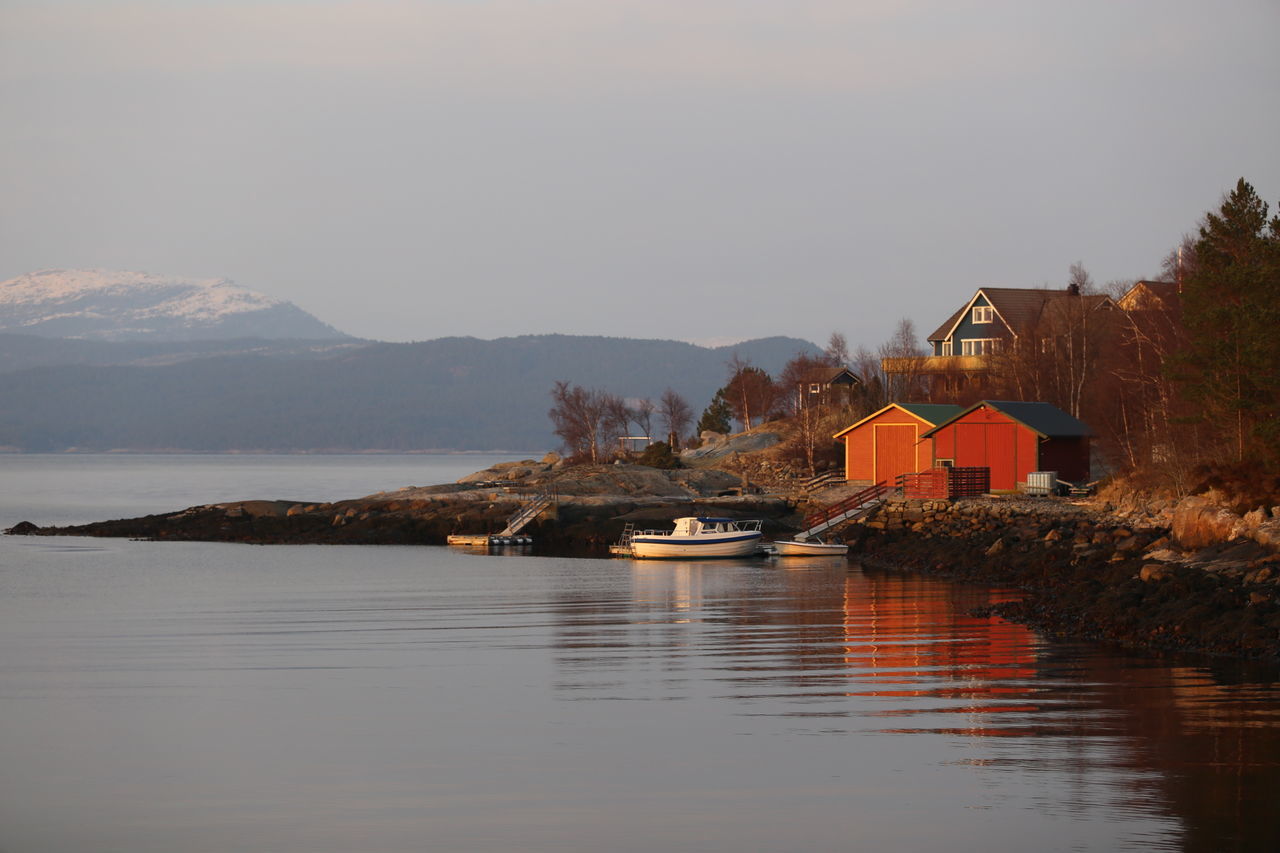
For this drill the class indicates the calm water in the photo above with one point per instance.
(215, 697)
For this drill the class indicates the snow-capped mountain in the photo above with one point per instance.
(130, 306)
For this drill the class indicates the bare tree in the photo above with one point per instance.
(837, 351)
(586, 420)
(1079, 281)
(641, 414)
(1138, 410)
(676, 416)
(806, 409)
(904, 352)
(796, 375)
(1058, 358)
(1180, 261)
(873, 392)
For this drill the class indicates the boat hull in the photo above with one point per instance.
(673, 548)
(792, 548)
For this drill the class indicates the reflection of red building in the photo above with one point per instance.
(908, 634)
(1013, 439)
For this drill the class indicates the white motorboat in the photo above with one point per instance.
(809, 548)
(694, 537)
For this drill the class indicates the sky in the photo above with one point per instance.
(703, 170)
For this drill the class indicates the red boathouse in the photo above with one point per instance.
(888, 443)
(1013, 438)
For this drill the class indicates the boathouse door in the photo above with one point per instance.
(895, 451)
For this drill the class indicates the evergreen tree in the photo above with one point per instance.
(1231, 308)
(716, 416)
(751, 393)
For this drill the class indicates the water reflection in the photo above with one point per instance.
(848, 652)
(213, 697)
(811, 634)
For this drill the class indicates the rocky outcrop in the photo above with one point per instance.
(718, 448)
(591, 505)
(1200, 521)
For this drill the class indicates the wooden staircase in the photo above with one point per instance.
(527, 513)
(530, 508)
(822, 481)
(850, 509)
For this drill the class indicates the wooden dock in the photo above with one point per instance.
(488, 540)
(510, 535)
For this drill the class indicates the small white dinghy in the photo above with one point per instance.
(809, 548)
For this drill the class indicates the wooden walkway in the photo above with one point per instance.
(509, 535)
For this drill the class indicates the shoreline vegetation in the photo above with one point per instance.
(1125, 567)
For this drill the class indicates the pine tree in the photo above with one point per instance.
(715, 417)
(1231, 308)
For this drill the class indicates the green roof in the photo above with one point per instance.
(934, 413)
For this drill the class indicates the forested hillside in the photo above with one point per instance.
(446, 394)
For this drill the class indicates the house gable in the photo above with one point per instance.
(979, 319)
(1151, 296)
(929, 414)
(1013, 311)
(1013, 438)
(888, 442)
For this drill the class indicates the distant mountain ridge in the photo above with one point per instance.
(105, 305)
(444, 394)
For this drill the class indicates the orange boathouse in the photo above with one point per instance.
(891, 442)
(1013, 438)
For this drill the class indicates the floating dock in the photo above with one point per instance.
(510, 535)
(488, 540)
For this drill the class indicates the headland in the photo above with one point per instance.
(1134, 569)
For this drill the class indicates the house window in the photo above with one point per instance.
(945, 463)
(978, 346)
(984, 314)
(815, 388)
(946, 347)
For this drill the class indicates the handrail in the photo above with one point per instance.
(823, 479)
(529, 511)
(850, 503)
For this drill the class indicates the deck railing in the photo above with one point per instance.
(849, 505)
(943, 483)
(970, 482)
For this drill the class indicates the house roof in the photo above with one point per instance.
(830, 376)
(1150, 294)
(1044, 419)
(1061, 309)
(1018, 307)
(930, 413)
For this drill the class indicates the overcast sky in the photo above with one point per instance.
(704, 170)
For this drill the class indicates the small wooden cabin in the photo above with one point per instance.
(1013, 438)
(891, 441)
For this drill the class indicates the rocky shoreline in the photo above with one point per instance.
(1086, 572)
(590, 506)
(1190, 577)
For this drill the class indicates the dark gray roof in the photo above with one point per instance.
(1019, 307)
(830, 376)
(1043, 418)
